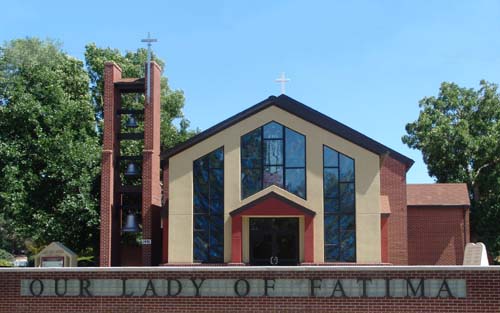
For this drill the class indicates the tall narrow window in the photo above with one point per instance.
(273, 155)
(339, 206)
(208, 208)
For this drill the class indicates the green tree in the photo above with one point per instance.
(49, 148)
(458, 133)
(133, 65)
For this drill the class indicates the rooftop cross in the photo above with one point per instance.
(282, 80)
(149, 40)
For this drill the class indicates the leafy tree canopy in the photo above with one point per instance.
(458, 133)
(49, 148)
(50, 122)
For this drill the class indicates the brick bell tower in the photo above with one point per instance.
(125, 200)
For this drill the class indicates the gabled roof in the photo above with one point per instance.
(270, 196)
(444, 195)
(304, 112)
(57, 245)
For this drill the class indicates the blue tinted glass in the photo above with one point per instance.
(330, 181)
(251, 163)
(251, 181)
(273, 152)
(332, 253)
(201, 222)
(216, 204)
(339, 198)
(217, 254)
(217, 158)
(200, 170)
(200, 183)
(348, 254)
(200, 202)
(347, 197)
(330, 157)
(251, 147)
(347, 246)
(273, 175)
(296, 181)
(200, 246)
(347, 222)
(216, 237)
(346, 169)
(332, 205)
(295, 145)
(208, 202)
(273, 130)
(331, 229)
(217, 181)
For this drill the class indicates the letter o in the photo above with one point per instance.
(237, 290)
(32, 285)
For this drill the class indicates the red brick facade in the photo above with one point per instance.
(109, 218)
(111, 253)
(164, 256)
(393, 185)
(437, 235)
(151, 188)
(481, 294)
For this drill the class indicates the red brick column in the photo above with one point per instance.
(151, 189)
(308, 239)
(393, 185)
(236, 239)
(109, 223)
(384, 230)
(164, 256)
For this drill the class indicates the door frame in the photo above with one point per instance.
(271, 205)
(298, 237)
(246, 234)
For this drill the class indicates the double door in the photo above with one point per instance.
(274, 241)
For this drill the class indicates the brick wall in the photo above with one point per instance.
(437, 235)
(164, 254)
(481, 295)
(151, 189)
(109, 238)
(393, 185)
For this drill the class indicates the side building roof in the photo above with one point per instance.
(304, 112)
(443, 195)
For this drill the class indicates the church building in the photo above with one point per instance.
(276, 184)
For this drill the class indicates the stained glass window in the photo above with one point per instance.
(273, 155)
(339, 206)
(208, 208)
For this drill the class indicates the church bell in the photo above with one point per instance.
(132, 122)
(131, 170)
(131, 225)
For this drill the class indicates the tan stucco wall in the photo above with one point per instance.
(367, 172)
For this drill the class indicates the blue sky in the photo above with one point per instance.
(364, 63)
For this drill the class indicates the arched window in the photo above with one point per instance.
(208, 208)
(339, 206)
(273, 155)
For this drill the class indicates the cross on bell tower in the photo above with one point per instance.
(149, 42)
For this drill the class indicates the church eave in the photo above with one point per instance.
(303, 111)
